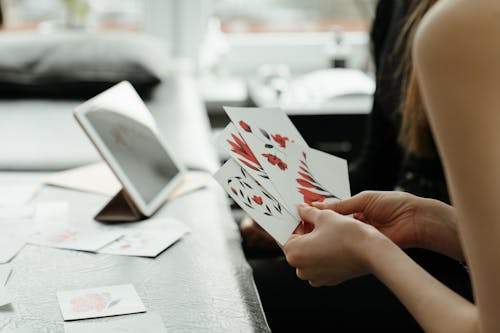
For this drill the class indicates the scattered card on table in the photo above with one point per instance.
(268, 133)
(10, 245)
(5, 297)
(14, 193)
(313, 176)
(72, 238)
(5, 271)
(260, 205)
(99, 302)
(48, 214)
(144, 323)
(148, 238)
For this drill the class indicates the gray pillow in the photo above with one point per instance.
(78, 65)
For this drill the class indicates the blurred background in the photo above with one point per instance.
(309, 57)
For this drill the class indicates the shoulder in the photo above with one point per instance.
(456, 31)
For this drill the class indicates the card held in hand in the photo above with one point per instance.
(266, 210)
(268, 132)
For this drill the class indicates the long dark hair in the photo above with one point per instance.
(415, 134)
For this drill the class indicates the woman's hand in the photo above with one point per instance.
(336, 250)
(408, 220)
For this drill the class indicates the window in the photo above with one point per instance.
(96, 14)
(243, 16)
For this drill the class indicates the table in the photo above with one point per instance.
(201, 284)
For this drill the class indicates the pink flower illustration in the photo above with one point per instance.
(62, 236)
(90, 302)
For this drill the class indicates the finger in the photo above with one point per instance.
(360, 217)
(315, 283)
(300, 274)
(325, 205)
(357, 203)
(309, 214)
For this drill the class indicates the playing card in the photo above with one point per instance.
(313, 176)
(72, 238)
(10, 244)
(259, 204)
(231, 140)
(51, 214)
(268, 133)
(9, 213)
(99, 302)
(15, 193)
(5, 297)
(144, 323)
(5, 271)
(148, 238)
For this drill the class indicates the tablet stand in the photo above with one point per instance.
(120, 209)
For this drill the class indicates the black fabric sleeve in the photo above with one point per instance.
(377, 168)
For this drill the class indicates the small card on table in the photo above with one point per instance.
(99, 302)
(72, 238)
(148, 238)
(144, 323)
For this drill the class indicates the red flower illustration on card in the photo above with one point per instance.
(245, 126)
(275, 160)
(309, 187)
(62, 236)
(252, 197)
(240, 147)
(257, 199)
(281, 140)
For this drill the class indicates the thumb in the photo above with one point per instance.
(349, 206)
(309, 214)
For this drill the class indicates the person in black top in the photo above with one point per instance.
(364, 303)
(383, 164)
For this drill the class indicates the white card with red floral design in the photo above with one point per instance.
(231, 140)
(5, 271)
(72, 238)
(99, 302)
(148, 238)
(314, 176)
(268, 133)
(266, 210)
(150, 322)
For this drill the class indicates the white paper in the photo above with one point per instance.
(51, 214)
(5, 271)
(268, 132)
(8, 213)
(143, 323)
(15, 193)
(5, 297)
(93, 178)
(99, 302)
(71, 238)
(11, 242)
(259, 204)
(147, 238)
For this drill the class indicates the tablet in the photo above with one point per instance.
(124, 132)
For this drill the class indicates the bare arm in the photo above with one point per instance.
(457, 54)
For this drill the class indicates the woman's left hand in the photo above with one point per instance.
(337, 249)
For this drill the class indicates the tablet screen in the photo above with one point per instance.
(137, 150)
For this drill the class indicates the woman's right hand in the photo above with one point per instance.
(408, 220)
